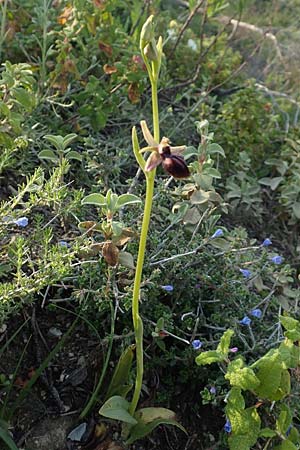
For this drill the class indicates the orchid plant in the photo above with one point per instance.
(141, 422)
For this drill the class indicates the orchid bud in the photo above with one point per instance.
(150, 51)
(147, 32)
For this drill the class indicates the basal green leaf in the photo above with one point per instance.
(150, 418)
(116, 407)
(121, 373)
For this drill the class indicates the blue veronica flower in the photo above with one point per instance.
(227, 426)
(256, 313)
(246, 273)
(63, 244)
(213, 390)
(266, 242)
(217, 233)
(196, 344)
(168, 287)
(277, 259)
(245, 321)
(22, 222)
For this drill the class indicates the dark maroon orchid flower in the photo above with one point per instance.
(169, 157)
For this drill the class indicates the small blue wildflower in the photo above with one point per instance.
(198, 286)
(217, 233)
(227, 426)
(168, 287)
(245, 321)
(22, 222)
(213, 390)
(246, 273)
(266, 242)
(196, 344)
(63, 244)
(288, 431)
(277, 259)
(256, 313)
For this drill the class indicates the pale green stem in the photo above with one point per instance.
(137, 321)
(155, 112)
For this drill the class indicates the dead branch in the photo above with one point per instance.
(186, 24)
(254, 29)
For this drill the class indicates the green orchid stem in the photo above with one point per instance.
(155, 112)
(137, 321)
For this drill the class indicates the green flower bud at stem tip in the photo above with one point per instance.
(147, 33)
(150, 52)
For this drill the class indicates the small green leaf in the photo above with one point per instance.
(190, 151)
(212, 172)
(286, 445)
(272, 182)
(209, 357)
(224, 344)
(150, 418)
(121, 373)
(55, 140)
(220, 243)
(24, 97)
(48, 154)
(235, 399)
(126, 260)
(296, 209)
(74, 155)
(242, 377)
(215, 148)
(116, 407)
(267, 433)
(94, 199)
(127, 199)
(289, 323)
(270, 373)
(199, 197)
(68, 139)
(284, 420)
